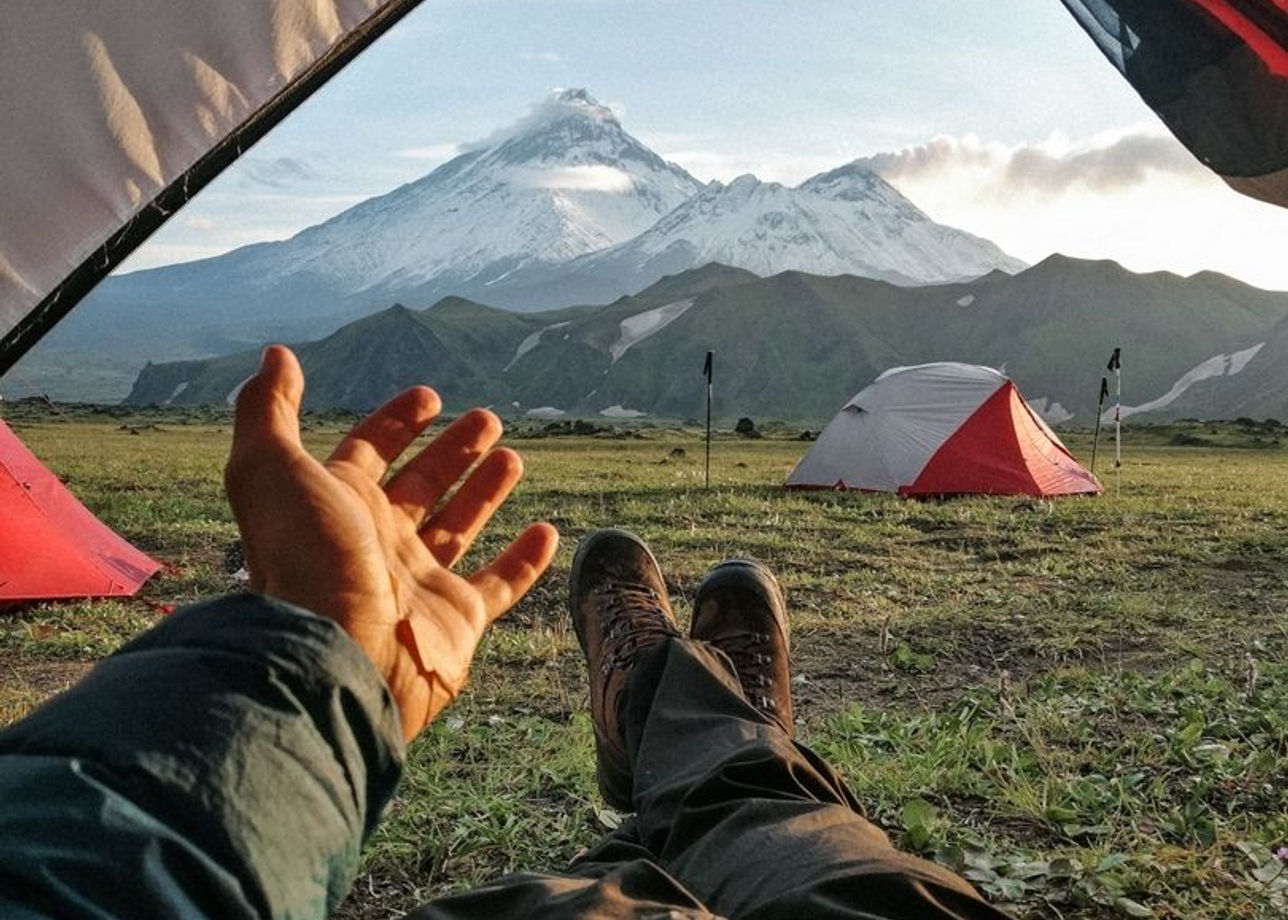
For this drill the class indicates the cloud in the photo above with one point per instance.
(278, 172)
(541, 57)
(200, 223)
(1110, 165)
(1135, 197)
(576, 178)
(444, 151)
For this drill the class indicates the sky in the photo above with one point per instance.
(996, 116)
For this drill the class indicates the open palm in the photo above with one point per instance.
(376, 556)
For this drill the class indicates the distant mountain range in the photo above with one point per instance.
(564, 208)
(794, 346)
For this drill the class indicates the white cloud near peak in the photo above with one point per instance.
(1137, 197)
(575, 178)
(1103, 165)
(444, 151)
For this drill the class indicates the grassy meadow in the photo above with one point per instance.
(1081, 704)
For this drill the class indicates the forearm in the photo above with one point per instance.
(228, 763)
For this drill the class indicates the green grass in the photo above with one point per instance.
(1078, 703)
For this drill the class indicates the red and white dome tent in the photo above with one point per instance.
(941, 429)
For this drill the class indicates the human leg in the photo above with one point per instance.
(732, 814)
(754, 824)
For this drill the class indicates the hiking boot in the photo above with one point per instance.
(740, 610)
(619, 609)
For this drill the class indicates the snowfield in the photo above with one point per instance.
(1215, 366)
(621, 412)
(639, 327)
(530, 343)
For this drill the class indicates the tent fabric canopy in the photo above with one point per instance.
(1215, 71)
(116, 113)
(940, 429)
(51, 546)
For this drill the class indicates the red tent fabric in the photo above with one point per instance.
(1003, 449)
(51, 546)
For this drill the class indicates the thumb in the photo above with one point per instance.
(268, 406)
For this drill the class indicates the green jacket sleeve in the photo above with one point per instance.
(228, 763)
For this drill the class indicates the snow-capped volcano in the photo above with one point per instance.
(564, 181)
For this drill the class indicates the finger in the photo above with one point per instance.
(426, 477)
(267, 422)
(512, 573)
(452, 529)
(378, 439)
(268, 406)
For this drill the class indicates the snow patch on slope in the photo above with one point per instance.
(231, 398)
(1215, 366)
(1052, 412)
(619, 411)
(639, 327)
(530, 343)
(545, 412)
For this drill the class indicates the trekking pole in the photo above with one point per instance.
(1115, 365)
(1100, 411)
(707, 370)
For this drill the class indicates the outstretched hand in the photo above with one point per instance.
(377, 558)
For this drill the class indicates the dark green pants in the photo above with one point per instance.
(734, 820)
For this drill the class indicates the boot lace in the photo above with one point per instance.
(747, 649)
(635, 619)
